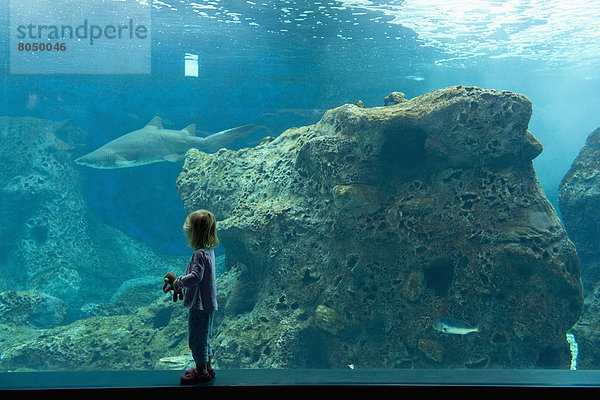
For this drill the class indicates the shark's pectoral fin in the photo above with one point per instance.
(173, 157)
(123, 162)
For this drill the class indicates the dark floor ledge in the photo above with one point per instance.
(305, 379)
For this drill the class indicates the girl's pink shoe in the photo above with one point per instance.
(192, 376)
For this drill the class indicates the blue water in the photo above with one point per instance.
(259, 57)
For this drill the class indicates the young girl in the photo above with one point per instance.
(198, 290)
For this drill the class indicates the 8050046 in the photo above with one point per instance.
(42, 47)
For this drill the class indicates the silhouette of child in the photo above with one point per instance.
(197, 288)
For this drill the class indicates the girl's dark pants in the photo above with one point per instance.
(200, 334)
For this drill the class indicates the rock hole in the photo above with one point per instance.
(499, 339)
(549, 358)
(404, 147)
(162, 317)
(39, 233)
(439, 276)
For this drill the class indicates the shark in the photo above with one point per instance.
(153, 143)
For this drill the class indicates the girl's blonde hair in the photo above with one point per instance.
(200, 228)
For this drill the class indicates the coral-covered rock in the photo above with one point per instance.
(348, 238)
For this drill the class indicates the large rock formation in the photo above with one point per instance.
(347, 239)
(579, 201)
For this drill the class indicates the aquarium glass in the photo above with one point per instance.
(397, 184)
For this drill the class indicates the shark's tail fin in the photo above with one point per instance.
(221, 139)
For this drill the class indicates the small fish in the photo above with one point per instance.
(415, 78)
(453, 326)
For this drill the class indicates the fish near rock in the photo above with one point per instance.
(153, 144)
(453, 326)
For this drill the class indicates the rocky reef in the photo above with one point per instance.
(36, 191)
(579, 202)
(145, 334)
(75, 293)
(129, 341)
(55, 256)
(348, 238)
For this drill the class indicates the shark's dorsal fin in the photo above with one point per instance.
(156, 122)
(190, 130)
